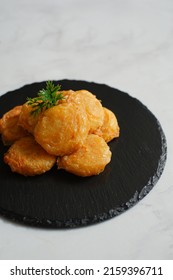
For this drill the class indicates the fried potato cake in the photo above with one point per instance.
(91, 104)
(26, 119)
(110, 128)
(9, 127)
(93, 108)
(62, 129)
(28, 158)
(89, 160)
(67, 96)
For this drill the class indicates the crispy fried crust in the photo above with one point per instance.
(93, 108)
(110, 128)
(67, 96)
(89, 160)
(91, 104)
(9, 127)
(62, 129)
(28, 158)
(26, 119)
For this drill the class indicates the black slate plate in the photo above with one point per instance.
(62, 200)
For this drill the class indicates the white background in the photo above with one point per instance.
(127, 44)
(86, 269)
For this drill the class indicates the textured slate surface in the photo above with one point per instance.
(61, 200)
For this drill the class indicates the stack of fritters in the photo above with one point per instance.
(74, 133)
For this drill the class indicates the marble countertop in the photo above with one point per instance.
(125, 44)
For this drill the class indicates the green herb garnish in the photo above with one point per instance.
(46, 98)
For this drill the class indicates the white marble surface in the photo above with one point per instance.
(127, 44)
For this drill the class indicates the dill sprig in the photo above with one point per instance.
(46, 98)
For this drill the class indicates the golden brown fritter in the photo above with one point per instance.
(62, 129)
(67, 96)
(110, 128)
(93, 108)
(26, 119)
(89, 160)
(9, 127)
(91, 104)
(28, 158)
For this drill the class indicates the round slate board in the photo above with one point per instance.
(60, 199)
